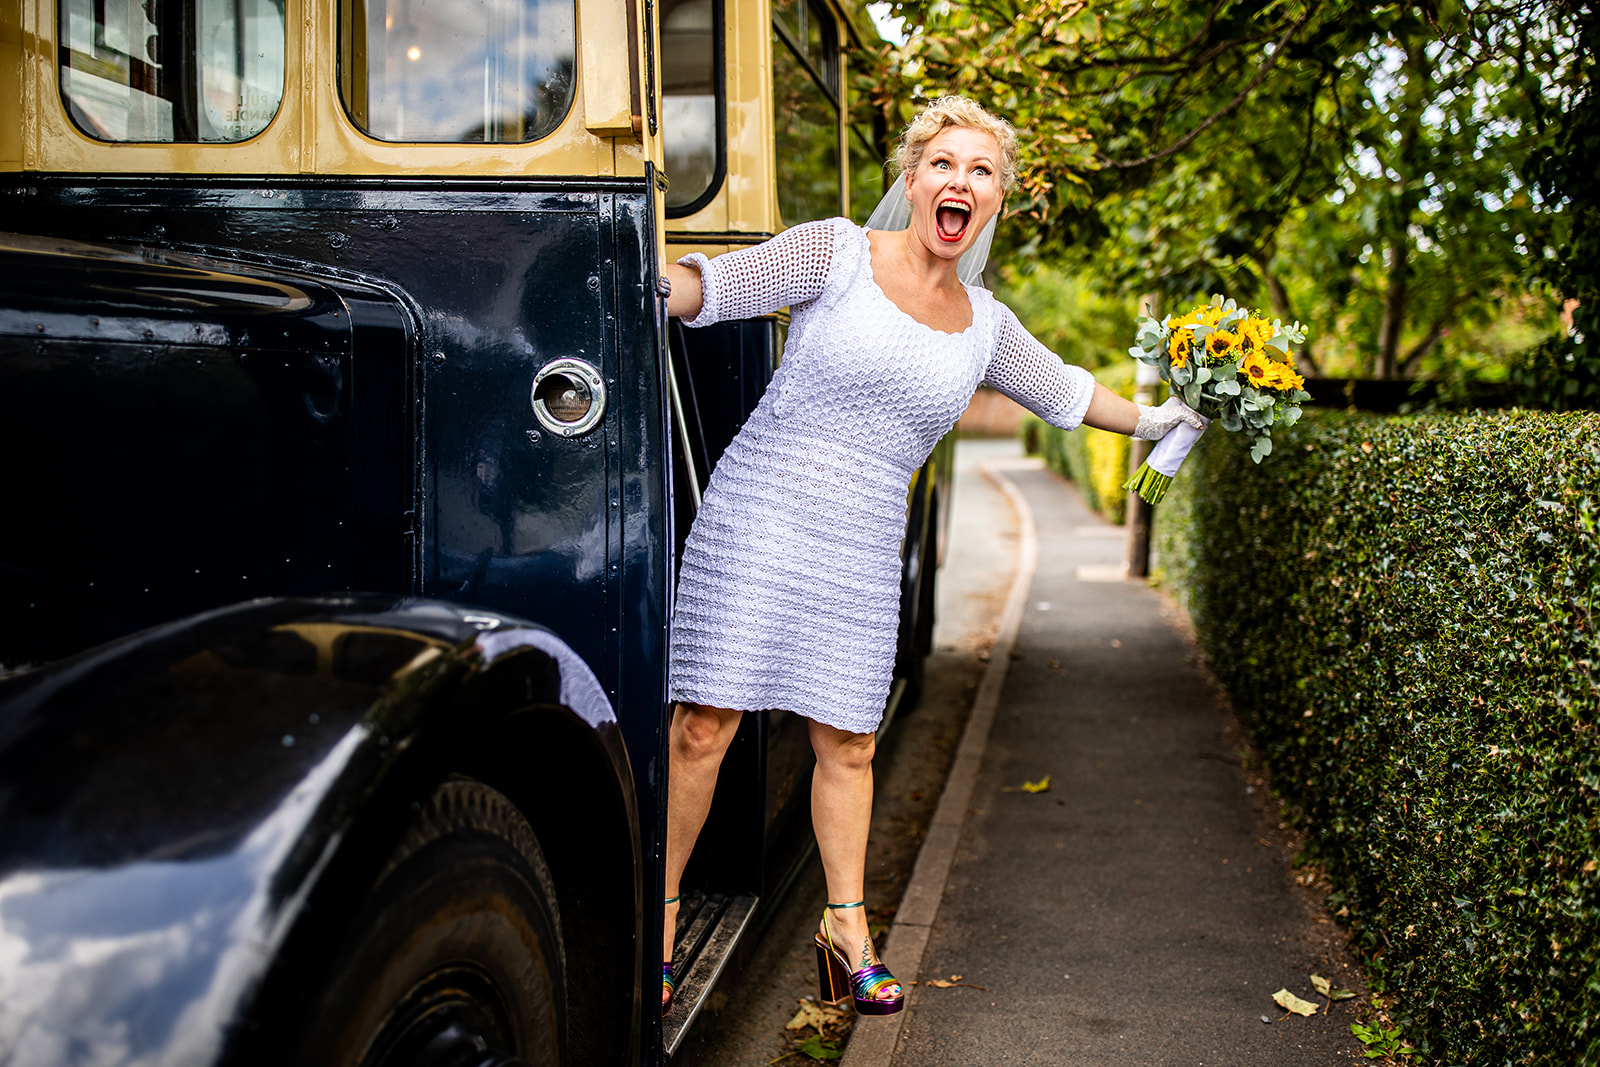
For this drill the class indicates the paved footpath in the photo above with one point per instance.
(1134, 913)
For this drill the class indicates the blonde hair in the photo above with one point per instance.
(950, 111)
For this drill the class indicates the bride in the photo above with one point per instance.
(788, 596)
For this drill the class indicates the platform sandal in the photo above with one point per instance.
(669, 983)
(836, 979)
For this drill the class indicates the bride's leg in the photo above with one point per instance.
(841, 814)
(698, 739)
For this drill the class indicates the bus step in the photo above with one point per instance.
(709, 926)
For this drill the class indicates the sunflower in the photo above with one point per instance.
(1254, 334)
(1258, 370)
(1221, 346)
(1180, 345)
(1284, 378)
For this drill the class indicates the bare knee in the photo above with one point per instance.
(841, 749)
(701, 732)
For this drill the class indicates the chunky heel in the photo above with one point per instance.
(835, 979)
(669, 982)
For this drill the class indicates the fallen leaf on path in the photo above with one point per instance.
(1325, 987)
(1289, 1002)
(811, 1013)
(955, 980)
(819, 1048)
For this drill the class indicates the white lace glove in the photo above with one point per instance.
(1155, 422)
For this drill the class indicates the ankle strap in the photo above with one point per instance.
(855, 904)
(673, 900)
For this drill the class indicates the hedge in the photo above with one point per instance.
(1095, 460)
(1403, 611)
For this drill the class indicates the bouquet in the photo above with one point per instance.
(1231, 365)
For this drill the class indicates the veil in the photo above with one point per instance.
(894, 213)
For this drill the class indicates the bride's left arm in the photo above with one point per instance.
(1068, 396)
(1108, 411)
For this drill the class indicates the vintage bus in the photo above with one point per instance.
(348, 454)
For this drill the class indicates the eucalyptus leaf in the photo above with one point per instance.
(1191, 394)
(1227, 387)
(1202, 375)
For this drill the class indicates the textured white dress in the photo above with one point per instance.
(789, 593)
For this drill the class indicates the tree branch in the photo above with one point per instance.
(1432, 338)
(1261, 75)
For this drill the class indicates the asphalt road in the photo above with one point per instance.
(1141, 910)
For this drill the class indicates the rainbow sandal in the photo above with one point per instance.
(669, 983)
(836, 979)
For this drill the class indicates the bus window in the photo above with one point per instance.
(457, 70)
(691, 127)
(805, 101)
(868, 179)
(171, 70)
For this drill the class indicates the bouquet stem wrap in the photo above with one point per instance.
(1155, 474)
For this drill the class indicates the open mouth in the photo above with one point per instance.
(953, 216)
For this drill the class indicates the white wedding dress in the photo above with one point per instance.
(789, 593)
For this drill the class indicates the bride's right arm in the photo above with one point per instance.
(686, 298)
(788, 269)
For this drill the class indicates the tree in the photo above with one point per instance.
(1357, 166)
(1565, 167)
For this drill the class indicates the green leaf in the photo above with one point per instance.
(819, 1048)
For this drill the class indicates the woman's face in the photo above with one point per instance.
(955, 189)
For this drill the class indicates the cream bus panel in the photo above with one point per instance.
(523, 84)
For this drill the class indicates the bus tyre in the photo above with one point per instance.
(455, 957)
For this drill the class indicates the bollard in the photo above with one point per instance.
(1146, 378)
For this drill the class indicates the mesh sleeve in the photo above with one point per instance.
(789, 269)
(1035, 377)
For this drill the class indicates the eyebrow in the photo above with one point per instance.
(945, 153)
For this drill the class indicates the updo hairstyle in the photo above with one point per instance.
(949, 111)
